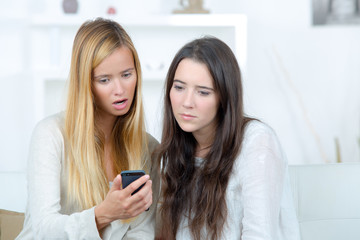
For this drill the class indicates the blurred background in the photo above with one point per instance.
(300, 75)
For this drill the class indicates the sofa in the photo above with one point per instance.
(327, 200)
(11, 224)
(326, 197)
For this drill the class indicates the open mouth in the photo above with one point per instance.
(120, 102)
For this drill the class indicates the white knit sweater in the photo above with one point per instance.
(258, 197)
(49, 215)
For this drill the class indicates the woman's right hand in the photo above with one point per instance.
(120, 204)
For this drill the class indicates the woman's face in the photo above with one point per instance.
(193, 98)
(114, 83)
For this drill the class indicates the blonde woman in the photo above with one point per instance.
(74, 156)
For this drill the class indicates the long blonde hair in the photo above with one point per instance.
(87, 182)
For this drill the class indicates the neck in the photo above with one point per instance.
(106, 125)
(201, 152)
(203, 145)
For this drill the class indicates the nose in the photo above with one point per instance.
(118, 87)
(188, 101)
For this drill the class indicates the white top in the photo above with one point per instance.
(258, 197)
(48, 213)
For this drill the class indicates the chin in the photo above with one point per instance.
(187, 129)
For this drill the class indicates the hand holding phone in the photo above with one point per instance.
(127, 177)
(119, 204)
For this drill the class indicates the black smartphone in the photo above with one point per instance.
(129, 176)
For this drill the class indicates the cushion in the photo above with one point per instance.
(11, 223)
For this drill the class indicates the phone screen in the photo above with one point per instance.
(127, 177)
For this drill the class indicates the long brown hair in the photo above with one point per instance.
(87, 182)
(206, 206)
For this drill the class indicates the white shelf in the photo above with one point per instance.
(180, 20)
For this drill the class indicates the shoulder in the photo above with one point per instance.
(257, 132)
(261, 152)
(47, 142)
(51, 122)
(151, 152)
(256, 127)
(261, 140)
(151, 142)
(51, 126)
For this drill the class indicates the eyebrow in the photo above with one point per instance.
(101, 76)
(198, 86)
(106, 75)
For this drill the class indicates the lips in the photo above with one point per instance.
(120, 104)
(186, 116)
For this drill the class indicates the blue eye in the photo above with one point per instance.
(204, 93)
(126, 75)
(104, 80)
(177, 87)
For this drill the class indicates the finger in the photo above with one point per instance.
(140, 208)
(143, 204)
(148, 198)
(136, 184)
(143, 208)
(142, 200)
(139, 195)
(148, 205)
(116, 185)
(142, 197)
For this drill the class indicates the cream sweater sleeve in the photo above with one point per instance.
(45, 163)
(263, 180)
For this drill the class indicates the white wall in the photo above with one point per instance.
(302, 80)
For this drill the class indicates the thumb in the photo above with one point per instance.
(116, 184)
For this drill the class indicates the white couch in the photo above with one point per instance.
(327, 200)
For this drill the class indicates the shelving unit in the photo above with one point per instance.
(156, 37)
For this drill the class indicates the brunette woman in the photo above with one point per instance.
(224, 175)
